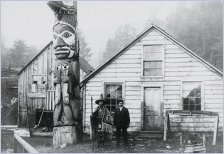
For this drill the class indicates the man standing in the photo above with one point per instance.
(121, 122)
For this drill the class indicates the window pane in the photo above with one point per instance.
(152, 68)
(192, 94)
(198, 91)
(152, 52)
(150, 72)
(186, 100)
(185, 107)
(152, 56)
(198, 101)
(192, 107)
(113, 93)
(158, 72)
(191, 89)
(153, 48)
(152, 64)
(198, 108)
(159, 64)
(147, 65)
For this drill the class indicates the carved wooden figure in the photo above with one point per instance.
(66, 79)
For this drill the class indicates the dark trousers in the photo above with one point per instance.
(124, 134)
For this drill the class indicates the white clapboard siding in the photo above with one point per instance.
(182, 64)
(213, 101)
(116, 78)
(129, 66)
(121, 70)
(179, 65)
(190, 69)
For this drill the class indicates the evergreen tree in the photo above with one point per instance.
(85, 51)
(123, 36)
(200, 28)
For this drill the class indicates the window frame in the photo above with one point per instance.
(163, 61)
(202, 93)
(40, 86)
(114, 82)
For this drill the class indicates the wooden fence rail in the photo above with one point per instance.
(191, 121)
(50, 100)
(21, 146)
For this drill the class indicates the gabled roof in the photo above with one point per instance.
(34, 57)
(84, 65)
(139, 37)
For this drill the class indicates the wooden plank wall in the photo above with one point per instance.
(43, 64)
(178, 66)
(38, 66)
(192, 123)
(125, 68)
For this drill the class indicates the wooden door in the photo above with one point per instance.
(152, 109)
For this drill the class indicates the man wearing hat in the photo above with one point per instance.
(101, 120)
(121, 122)
(101, 111)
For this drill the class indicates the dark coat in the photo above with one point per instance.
(106, 116)
(121, 118)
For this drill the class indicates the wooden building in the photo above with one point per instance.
(9, 83)
(153, 74)
(35, 84)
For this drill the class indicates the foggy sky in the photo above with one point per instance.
(32, 21)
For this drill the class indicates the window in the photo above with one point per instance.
(38, 83)
(153, 60)
(113, 93)
(192, 96)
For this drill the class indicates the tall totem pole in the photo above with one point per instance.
(67, 113)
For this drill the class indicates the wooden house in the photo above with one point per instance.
(153, 74)
(9, 83)
(35, 84)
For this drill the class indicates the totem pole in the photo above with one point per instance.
(67, 113)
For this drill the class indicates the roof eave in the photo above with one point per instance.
(116, 55)
(190, 51)
(34, 58)
(139, 37)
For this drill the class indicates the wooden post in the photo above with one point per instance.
(165, 129)
(204, 140)
(91, 105)
(65, 134)
(91, 129)
(215, 130)
(181, 138)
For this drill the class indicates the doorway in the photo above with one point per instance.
(153, 115)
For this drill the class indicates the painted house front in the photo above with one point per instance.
(153, 74)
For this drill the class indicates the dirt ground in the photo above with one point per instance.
(172, 145)
(6, 141)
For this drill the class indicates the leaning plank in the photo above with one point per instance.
(215, 130)
(165, 128)
(25, 145)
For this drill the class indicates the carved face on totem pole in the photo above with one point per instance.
(64, 32)
(65, 42)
